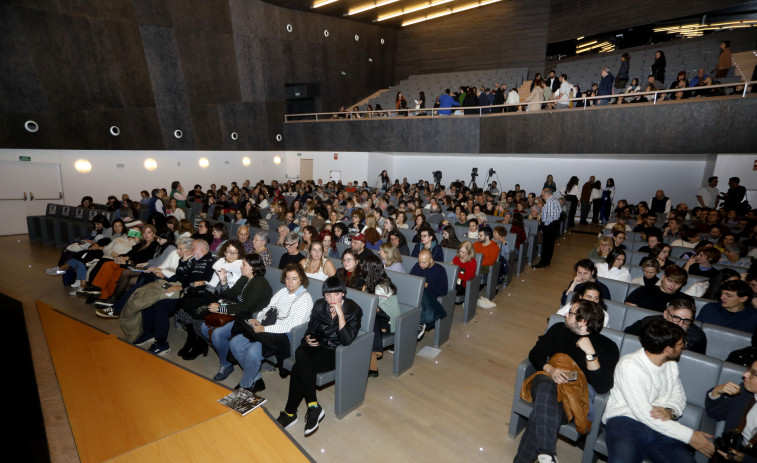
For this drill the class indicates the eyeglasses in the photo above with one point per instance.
(677, 319)
(232, 252)
(289, 244)
(752, 373)
(570, 312)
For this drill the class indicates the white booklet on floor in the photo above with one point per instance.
(242, 401)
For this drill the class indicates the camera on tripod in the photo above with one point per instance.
(474, 173)
(437, 176)
(491, 172)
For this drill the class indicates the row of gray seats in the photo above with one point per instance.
(619, 290)
(698, 374)
(61, 225)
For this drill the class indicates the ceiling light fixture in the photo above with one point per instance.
(449, 11)
(370, 6)
(411, 9)
(322, 3)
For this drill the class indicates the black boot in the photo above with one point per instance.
(191, 337)
(199, 346)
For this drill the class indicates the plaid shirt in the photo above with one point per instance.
(551, 211)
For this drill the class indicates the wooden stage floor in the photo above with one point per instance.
(107, 400)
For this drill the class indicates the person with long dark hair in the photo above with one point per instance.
(570, 192)
(334, 321)
(377, 282)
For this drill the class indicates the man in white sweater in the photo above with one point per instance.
(647, 398)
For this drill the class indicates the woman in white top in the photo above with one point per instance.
(231, 254)
(316, 265)
(174, 210)
(590, 292)
(612, 267)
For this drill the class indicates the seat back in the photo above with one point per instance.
(617, 313)
(698, 373)
(634, 314)
(409, 288)
(618, 289)
(721, 341)
(273, 276)
(276, 253)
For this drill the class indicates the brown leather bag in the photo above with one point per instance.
(216, 320)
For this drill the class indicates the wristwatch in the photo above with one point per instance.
(590, 357)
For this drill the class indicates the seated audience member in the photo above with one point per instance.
(650, 268)
(578, 345)
(519, 231)
(702, 263)
(255, 339)
(710, 289)
(653, 239)
(250, 294)
(400, 242)
(736, 255)
(589, 292)
(436, 286)
(293, 255)
(146, 314)
(428, 242)
(734, 310)
(488, 249)
(472, 233)
(283, 231)
(658, 297)
(585, 272)
(690, 239)
(466, 262)
(378, 282)
(645, 225)
(734, 404)
(243, 235)
(449, 238)
(316, 265)
(661, 253)
(334, 321)
(327, 238)
(646, 399)
(618, 238)
(612, 267)
(220, 235)
(358, 245)
(602, 249)
(391, 258)
(351, 271)
(259, 242)
(682, 313)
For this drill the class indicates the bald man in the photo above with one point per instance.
(436, 286)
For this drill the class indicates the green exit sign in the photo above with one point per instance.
(25, 158)
(299, 154)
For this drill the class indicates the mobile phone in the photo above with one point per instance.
(572, 375)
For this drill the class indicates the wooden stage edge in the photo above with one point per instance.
(63, 432)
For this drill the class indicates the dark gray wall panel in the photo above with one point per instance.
(208, 64)
(699, 128)
(249, 54)
(247, 119)
(19, 87)
(206, 126)
(200, 15)
(152, 13)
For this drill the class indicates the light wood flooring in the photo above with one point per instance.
(450, 409)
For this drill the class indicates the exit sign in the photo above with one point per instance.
(25, 158)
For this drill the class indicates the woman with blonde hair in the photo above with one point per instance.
(316, 265)
(391, 257)
(602, 249)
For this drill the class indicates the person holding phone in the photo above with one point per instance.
(334, 321)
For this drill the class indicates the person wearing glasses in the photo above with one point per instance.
(259, 242)
(573, 346)
(428, 242)
(682, 313)
(293, 254)
(646, 400)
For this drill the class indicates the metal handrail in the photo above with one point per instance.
(348, 115)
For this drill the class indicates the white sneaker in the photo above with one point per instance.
(54, 271)
(485, 303)
(543, 458)
(76, 284)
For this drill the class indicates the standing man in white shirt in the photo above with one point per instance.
(646, 400)
(708, 195)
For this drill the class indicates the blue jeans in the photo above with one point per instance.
(250, 357)
(79, 267)
(630, 441)
(221, 337)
